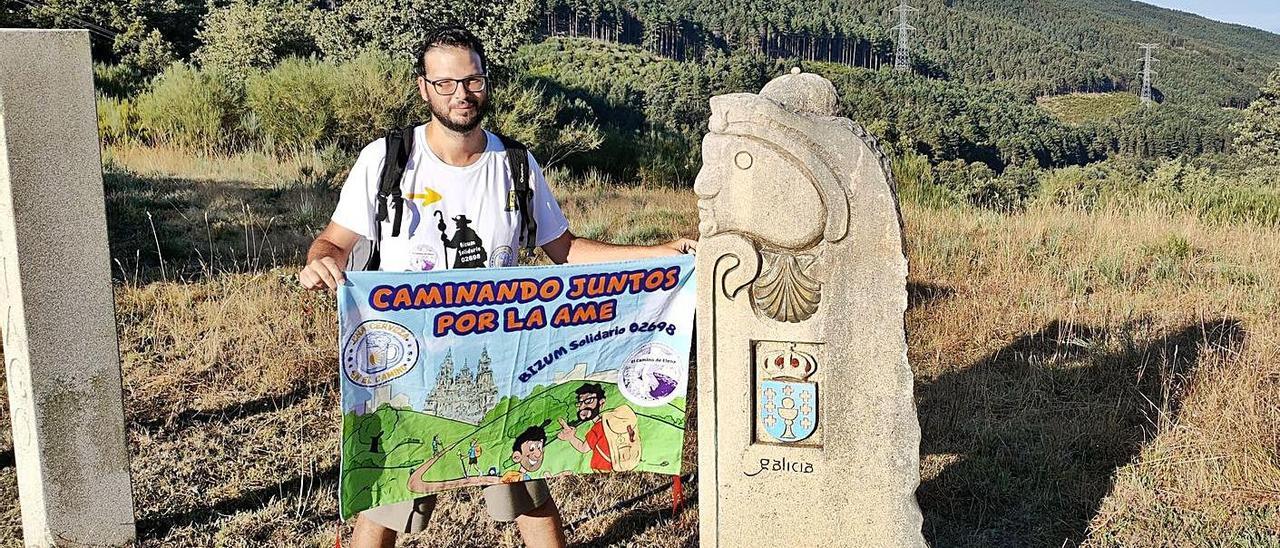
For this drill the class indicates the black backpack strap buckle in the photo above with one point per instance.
(518, 164)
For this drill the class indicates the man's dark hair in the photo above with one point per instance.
(532, 433)
(590, 388)
(449, 36)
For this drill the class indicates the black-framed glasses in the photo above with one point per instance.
(447, 86)
(588, 400)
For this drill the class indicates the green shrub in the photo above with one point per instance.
(978, 184)
(190, 108)
(555, 126)
(246, 36)
(1217, 188)
(667, 158)
(1258, 131)
(374, 92)
(397, 27)
(1083, 188)
(118, 120)
(1008, 192)
(144, 50)
(651, 111)
(294, 104)
(116, 81)
(916, 183)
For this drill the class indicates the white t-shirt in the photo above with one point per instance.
(454, 217)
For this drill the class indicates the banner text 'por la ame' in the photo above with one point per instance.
(497, 293)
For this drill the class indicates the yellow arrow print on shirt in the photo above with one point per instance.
(425, 198)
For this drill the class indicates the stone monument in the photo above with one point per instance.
(807, 426)
(60, 350)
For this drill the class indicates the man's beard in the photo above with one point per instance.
(588, 414)
(482, 108)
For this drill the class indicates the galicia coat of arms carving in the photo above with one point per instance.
(787, 393)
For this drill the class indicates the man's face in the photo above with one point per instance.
(589, 406)
(462, 110)
(529, 457)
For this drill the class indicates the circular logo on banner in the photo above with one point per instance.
(379, 351)
(653, 375)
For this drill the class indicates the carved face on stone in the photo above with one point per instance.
(741, 183)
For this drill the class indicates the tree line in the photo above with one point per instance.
(1054, 46)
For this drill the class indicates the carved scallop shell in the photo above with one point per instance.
(784, 291)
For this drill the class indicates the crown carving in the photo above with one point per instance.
(789, 362)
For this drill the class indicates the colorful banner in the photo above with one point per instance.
(475, 377)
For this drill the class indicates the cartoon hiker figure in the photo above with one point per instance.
(527, 453)
(471, 253)
(473, 455)
(435, 445)
(613, 440)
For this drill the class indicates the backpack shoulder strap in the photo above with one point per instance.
(399, 145)
(518, 163)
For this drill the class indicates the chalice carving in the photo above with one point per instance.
(788, 412)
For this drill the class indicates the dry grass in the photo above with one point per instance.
(1113, 375)
(1078, 108)
(1109, 378)
(255, 167)
(232, 402)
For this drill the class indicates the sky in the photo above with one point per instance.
(1262, 14)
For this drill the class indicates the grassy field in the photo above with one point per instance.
(1108, 377)
(1078, 108)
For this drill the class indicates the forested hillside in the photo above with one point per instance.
(1037, 46)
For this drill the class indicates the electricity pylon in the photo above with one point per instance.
(902, 54)
(1147, 59)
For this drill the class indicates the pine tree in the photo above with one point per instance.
(1259, 132)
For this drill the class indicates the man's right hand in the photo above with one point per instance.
(328, 254)
(322, 273)
(567, 432)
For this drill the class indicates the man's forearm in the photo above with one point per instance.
(324, 248)
(586, 250)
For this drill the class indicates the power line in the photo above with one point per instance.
(93, 28)
(88, 24)
(902, 54)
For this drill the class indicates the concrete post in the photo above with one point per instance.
(61, 355)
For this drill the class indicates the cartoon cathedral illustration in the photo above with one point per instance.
(463, 396)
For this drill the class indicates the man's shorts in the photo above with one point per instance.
(505, 502)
